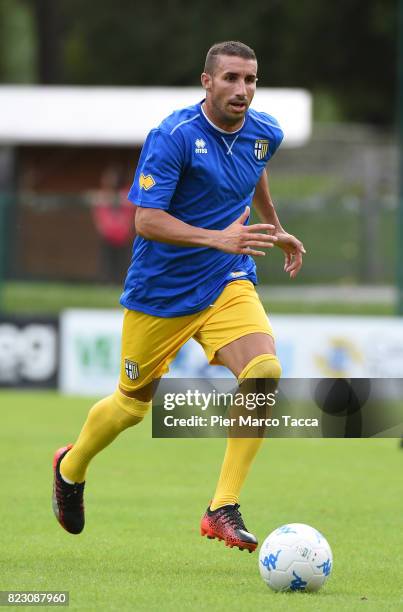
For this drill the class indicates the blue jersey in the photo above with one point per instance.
(205, 177)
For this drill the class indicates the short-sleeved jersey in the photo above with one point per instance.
(205, 177)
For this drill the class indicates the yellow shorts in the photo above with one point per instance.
(150, 343)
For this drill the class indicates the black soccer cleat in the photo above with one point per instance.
(226, 524)
(67, 499)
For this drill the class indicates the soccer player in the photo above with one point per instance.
(192, 275)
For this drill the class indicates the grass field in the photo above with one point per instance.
(141, 549)
(24, 297)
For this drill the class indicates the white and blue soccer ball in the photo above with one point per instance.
(295, 557)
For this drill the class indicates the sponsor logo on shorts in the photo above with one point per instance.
(132, 369)
(146, 182)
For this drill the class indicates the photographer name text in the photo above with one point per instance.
(284, 420)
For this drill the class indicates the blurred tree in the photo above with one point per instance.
(17, 43)
(48, 19)
(344, 52)
(347, 52)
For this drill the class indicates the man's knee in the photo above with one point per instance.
(144, 394)
(262, 366)
(132, 410)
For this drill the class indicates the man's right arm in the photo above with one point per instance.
(237, 238)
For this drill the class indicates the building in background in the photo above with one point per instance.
(61, 142)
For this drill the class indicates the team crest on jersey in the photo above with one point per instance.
(200, 146)
(261, 148)
(146, 182)
(132, 369)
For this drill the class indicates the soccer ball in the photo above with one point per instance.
(295, 557)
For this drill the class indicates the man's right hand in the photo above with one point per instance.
(237, 238)
(241, 239)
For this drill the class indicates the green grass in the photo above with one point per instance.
(141, 549)
(299, 186)
(51, 298)
(300, 307)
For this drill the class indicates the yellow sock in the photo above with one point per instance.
(238, 458)
(106, 419)
(240, 452)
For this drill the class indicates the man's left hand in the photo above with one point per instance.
(293, 252)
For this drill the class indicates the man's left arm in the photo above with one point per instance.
(292, 247)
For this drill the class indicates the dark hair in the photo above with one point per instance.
(229, 47)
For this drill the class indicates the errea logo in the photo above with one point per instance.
(200, 146)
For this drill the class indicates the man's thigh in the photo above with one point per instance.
(149, 344)
(237, 328)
